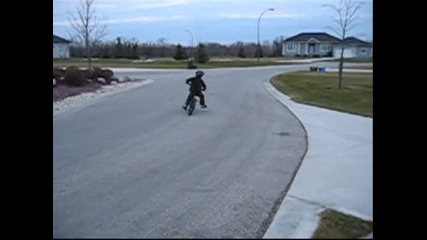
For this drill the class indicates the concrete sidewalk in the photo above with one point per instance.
(335, 173)
(307, 60)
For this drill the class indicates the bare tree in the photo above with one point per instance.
(162, 42)
(277, 47)
(241, 52)
(88, 28)
(76, 46)
(266, 47)
(345, 21)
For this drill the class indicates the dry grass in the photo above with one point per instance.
(321, 89)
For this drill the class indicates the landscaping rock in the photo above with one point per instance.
(102, 80)
(66, 97)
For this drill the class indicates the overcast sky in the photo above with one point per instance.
(223, 21)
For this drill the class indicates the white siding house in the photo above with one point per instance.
(310, 44)
(320, 44)
(354, 48)
(61, 47)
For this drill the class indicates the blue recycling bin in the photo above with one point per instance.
(313, 69)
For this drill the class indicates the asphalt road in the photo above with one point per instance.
(135, 165)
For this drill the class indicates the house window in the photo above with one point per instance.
(364, 50)
(325, 47)
(291, 47)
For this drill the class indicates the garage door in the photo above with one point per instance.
(348, 52)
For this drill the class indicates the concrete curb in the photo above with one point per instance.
(278, 203)
(303, 223)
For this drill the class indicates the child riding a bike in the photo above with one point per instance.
(197, 85)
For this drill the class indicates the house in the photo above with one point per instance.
(354, 48)
(61, 47)
(309, 44)
(320, 44)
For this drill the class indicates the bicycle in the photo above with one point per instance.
(192, 105)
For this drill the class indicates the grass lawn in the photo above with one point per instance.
(361, 66)
(336, 225)
(167, 63)
(321, 89)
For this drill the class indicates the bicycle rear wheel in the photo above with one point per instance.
(191, 106)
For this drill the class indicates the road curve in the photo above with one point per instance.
(135, 165)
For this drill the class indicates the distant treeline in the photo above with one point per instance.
(132, 49)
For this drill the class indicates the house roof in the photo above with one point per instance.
(57, 39)
(320, 36)
(356, 41)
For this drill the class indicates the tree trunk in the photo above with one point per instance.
(88, 53)
(341, 65)
(162, 51)
(89, 58)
